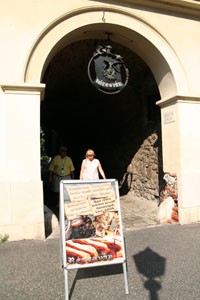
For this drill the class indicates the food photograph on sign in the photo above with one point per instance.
(93, 231)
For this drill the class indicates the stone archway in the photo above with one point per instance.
(138, 36)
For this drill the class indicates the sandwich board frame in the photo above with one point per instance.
(90, 226)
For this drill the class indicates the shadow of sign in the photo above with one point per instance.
(95, 272)
(151, 266)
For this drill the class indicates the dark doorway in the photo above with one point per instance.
(75, 114)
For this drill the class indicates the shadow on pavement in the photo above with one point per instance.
(95, 272)
(151, 266)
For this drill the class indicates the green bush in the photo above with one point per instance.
(44, 156)
(3, 238)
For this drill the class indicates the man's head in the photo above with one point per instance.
(63, 151)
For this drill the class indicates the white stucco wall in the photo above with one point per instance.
(21, 201)
(20, 29)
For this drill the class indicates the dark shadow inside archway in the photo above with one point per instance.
(77, 115)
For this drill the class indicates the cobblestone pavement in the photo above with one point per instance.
(138, 213)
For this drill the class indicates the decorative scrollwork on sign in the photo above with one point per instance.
(107, 71)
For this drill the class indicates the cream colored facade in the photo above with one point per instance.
(164, 34)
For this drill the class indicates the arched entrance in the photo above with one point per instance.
(80, 116)
(136, 35)
(157, 76)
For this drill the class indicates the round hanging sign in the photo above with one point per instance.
(107, 71)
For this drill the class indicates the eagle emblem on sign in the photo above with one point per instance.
(107, 71)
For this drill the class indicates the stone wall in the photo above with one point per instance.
(145, 170)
